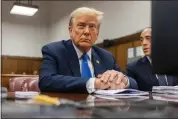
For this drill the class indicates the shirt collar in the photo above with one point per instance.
(149, 59)
(79, 53)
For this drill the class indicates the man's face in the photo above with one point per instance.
(84, 31)
(145, 38)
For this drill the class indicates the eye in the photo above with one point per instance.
(148, 37)
(92, 26)
(81, 25)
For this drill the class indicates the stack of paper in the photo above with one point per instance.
(165, 89)
(137, 98)
(121, 92)
(166, 97)
(28, 94)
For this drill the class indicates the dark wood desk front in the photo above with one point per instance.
(101, 108)
(70, 96)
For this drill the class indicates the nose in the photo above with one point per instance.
(144, 42)
(86, 30)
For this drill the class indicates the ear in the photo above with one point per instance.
(70, 30)
(98, 29)
(98, 32)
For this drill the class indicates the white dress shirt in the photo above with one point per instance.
(90, 83)
(149, 59)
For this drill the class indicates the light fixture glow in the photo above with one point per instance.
(22, 9)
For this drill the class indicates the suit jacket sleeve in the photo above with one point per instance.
(176, 80)
(133, 83)
(51, 81)
(130, 72)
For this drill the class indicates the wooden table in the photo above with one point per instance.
(147, 108)
(70, 96)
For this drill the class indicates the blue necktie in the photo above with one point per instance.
(85, 72)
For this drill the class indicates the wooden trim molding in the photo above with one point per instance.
(21, 57)
(122, 40)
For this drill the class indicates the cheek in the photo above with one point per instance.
(94, 36)
(150, 45)
(77, 34)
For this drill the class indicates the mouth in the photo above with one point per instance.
(145, 48)
(86, 40)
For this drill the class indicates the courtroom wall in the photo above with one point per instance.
(121, 18)
(24, 35)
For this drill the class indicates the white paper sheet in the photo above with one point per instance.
(121, 92)
(28, 94)
(139, 51)
(172, 98)
(165, 89)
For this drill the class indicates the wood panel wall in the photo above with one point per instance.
(20, 65)
(120, 46)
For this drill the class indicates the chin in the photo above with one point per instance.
(85, 45)
(147, 54)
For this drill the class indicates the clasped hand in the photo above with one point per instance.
(111, 80)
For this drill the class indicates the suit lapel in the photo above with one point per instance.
(148, 72)
(97, 64)
(72, 59)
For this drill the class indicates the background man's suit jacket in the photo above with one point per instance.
(60, 70)
(141, 71)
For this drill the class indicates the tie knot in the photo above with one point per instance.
(84, 56)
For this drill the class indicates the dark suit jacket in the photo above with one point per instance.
(60, 70)
(141, 71)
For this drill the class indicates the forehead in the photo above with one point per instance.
(86, 18)
(146, 32)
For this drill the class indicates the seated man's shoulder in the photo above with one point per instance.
(135, 63)
(55, 44)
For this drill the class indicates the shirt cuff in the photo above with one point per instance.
(128, 82)
(91, 85)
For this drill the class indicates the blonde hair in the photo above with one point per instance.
(85, 10)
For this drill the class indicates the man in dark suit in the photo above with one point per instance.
(75, 65)
(141, 70)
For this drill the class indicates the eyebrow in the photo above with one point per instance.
(147, 36)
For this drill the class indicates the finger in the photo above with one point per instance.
(99, 76)
(119, 78)
(102, 77)
(99, 84)
(113, 75)
(121, 86)
(112, 86)
(105, 76)
(106, 86)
